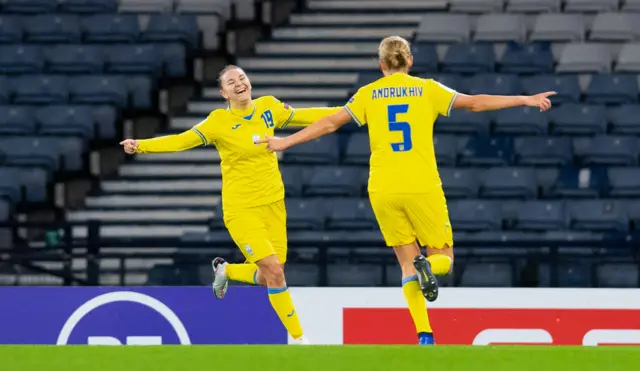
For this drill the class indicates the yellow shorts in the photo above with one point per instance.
(403, 218)
(259, 231)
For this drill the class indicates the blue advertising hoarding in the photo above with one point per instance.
(137, 316)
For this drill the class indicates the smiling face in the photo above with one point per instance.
(235, 85)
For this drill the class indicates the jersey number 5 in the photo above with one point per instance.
(267, 117)
(392, 116)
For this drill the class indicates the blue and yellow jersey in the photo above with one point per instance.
(250, 174)
(400, 111)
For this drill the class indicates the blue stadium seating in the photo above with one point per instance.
(31, 151)
(487, 151)
(623, 119)
(92, 89)
(17, 120)
(521, 121)
(168, 27)
(66, 120)
(607, 150)
(475, 215)
(567, 87)
(5, 209)
(446, 149)
(425, 58)
(498, 84)
(622, 275)
(89, 6)
(293, 180)
(323, 150)
(468, 58)
(576, 119)
(526, 58)
(140, 59)
(21, 59)
(464, 122)
(598, 215)
(624, 182)
(11, 31)
(358, 150)
(334, 181)
(74, 59)
(541, 216)
(305, 214)
(452, 81)
(5, 90)
(34, 180)
(543, 151)
(348, 214)
(487, 275)
(612, 89)
(460, 182)
(40, 89)
(52, 28)
(111, 28)
(574, 182)
(139, 88)
(30, 6)
(507, 182)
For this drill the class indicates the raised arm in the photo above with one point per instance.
(482, 102)
(325, 125)
(170, 143)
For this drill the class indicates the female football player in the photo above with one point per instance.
(252, 188)
(404, 186)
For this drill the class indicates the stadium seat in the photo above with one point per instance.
(567, 87)
(487, 275)
(333, 181)
(577, 119)
(95, 89)
(140, 59)
(558, 27)
(5, 89)
(500, 28)
(32, 179)
(358, 150)
(540, 216)
(584, 58)
(623, 119)
(350, 275)
(498, 84)
(509, 182)
(444, 28)
(40, 89)
(10, 190)
(577, 274)
(624, 182)
(613, 27)
(624, 275)
(590, 6)
(105, 119)
(30, 151)
(452, 81)
(474, 215)
(366, 78)
(464, 122)
(323, 150)
(146, 6)
(351, 214)
(598, 215)
(526, 58)
(305, 214)
(302, 275)
(468, 58)
(168, 27)
(425, 58)
(16, 120)
(139, 88)
(29, 6)
(89, 6)
(612, 89)
(446, 149)
(543, 151)
(292, 179)
(5, 210)
(174, 59)
(52, 28)
(11, 30)
(74, 59)
(460, 182)
(521, 121)
(533, 6)
(607, 150)
(487, 151)
(629, 58)
(21, 59)
(578, 183)
(66, 120)
(476, 6)
(111, 28)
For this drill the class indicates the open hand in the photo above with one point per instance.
(130, 146)
(540, 100)
(275, 144)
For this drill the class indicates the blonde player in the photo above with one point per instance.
(404, 186)
(252, 188)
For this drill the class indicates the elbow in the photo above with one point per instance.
(477, 105)
(330, 127)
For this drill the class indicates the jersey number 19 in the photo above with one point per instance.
(394, 125)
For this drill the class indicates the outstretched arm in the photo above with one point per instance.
(325, 125)
(170, 143)
(307, 116)
(482, 102)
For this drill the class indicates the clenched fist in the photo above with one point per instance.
(130, 146)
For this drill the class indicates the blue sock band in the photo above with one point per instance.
(278, 290)
(409, 279)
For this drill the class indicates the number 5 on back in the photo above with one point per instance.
(392, 112)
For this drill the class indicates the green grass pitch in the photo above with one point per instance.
(312, 358)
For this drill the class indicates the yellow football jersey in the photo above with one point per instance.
(250, 175)
(400, 111)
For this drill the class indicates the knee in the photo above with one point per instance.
(273, 273)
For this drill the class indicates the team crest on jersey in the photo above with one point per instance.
(248, 249)
(352, 99)
(255, 138)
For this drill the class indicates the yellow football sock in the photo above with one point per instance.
(440, 264)
(281, 302)
(246, 273)
(417, 304)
